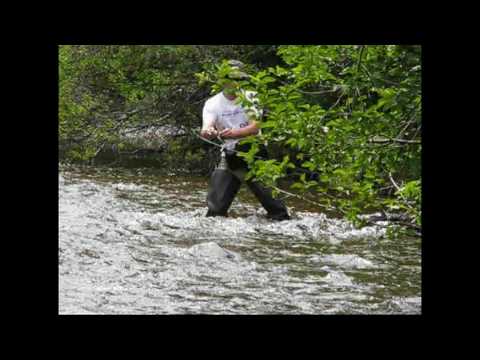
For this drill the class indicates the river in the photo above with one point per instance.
(136, 241)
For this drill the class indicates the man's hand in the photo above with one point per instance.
(229, 133)
(251, 129)
(210, 133)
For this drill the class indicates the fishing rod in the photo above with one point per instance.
(235, 151)
(223, 144)
(275, 187)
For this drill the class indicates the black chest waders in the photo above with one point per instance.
(222, 188)
(226, 180)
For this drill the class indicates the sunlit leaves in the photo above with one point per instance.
(356, 97)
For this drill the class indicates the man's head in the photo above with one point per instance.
(237, 73)
(231, 81)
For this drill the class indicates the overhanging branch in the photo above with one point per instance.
(379, 140)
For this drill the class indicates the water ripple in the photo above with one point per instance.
(131, 244)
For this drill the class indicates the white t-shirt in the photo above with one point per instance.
(222, 113)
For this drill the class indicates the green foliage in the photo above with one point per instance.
(344, 121)
(351, 114)
(105, 90)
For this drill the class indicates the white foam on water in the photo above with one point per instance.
(346, 261)
(338, 278)
(212, 250)
(118, 255)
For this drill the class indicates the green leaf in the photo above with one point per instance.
(309, 165)
(268, 124)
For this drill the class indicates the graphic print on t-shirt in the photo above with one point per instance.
(233, 118)
(224, 114)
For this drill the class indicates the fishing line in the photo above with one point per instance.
(222, 145)
(261, 158)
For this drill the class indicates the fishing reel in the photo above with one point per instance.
(222, 165)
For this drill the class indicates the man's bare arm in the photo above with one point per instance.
(248, 130)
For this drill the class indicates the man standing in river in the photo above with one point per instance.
(223, 116)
